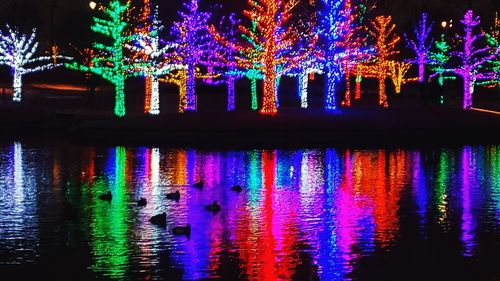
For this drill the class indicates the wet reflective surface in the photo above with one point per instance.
(334, 214)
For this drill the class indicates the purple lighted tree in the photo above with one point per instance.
(193, 46)
(472, 58)
(421, 45)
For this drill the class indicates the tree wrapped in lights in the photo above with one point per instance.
(146, 38)
(179, 79)
(17, 51)
(270, 44)
(307, 69)
(494, 43)
(311, 64)
(342, 46)
(398, 72)
(439, 60)
(421, 45)
(386, 41)
(253, 55)
(193, 47)
(249, 54)
(335, 22)
(493, 40)
(473, 59)
(150, 61)
(111, 64)
(276, 40)
(225, 57)
(355, 50)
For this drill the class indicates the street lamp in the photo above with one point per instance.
(444, 24)
(92, 5)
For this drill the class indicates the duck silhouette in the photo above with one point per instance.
(214, 207)
(142, 202)
(237, 188)
(198, 185)
(106, 197)
(69, 211)
(160, 219)
(174, 196)
(182, 230)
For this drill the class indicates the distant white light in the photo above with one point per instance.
(92, 5)
(444, 24)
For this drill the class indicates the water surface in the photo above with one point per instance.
(331, 214)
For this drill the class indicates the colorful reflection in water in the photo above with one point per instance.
(303, 215)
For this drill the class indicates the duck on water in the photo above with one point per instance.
(198, 185)
(182, 230)
(160, 220)
(237, 188)
(214, 207)
(174, 196)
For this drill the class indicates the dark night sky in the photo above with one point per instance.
(71, 18)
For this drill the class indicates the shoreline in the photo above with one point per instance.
(291, 128)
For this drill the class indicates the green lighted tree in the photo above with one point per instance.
(111, 64)
(439, 60)
(494, 43)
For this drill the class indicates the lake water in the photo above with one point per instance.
(329, 214)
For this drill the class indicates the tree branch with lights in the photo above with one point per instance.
(421, 45)
(111, 63)
(17, 51)
(473, 58)
(150, 61)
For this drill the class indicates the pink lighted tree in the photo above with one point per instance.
(472, 58)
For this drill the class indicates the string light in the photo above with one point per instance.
(342, 48)
(472, 58)
(268, 48)
(150, 60)
(193, 47)
(179, 78)
(386, 41)
(398, 72)
(150, 106)
(333, 27)
(421, 45)
(17, 52)
(312, 62)
(111, 64)
(224, 58)
(493, 40)
(439, 60)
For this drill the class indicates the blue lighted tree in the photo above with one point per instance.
(421, 45)
(341, 48)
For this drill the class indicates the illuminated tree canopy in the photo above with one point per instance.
(17, 51)
(421, 44)
(150, 60)
(193, 49)
(386, 40)
(473, 57)
(111, 63)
